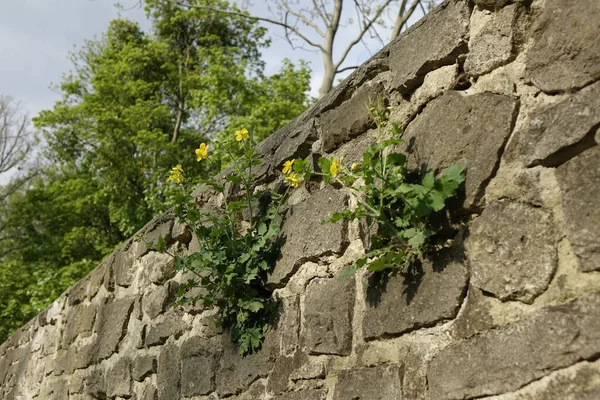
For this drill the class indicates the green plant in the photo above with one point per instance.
(234, 256)
(397, 202)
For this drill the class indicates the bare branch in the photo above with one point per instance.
(339, 71)
(252, 17)
(303, 18)
(403, 17)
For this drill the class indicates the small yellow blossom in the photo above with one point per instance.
(176, 174)
(335, 167)
(287, 166)
(202, 152)
(292, 180)
(241, 135)
(354, 166)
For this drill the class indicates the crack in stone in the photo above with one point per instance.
(569, 152)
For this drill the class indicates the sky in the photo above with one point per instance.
(36, 37)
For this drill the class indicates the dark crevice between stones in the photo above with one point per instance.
(462, 81)
(566, 153)
(411, 85)
(559, 92)
(484, 184)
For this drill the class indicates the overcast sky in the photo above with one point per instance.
(36, 37)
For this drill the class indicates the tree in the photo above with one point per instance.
(324, 20)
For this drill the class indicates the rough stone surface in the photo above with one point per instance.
(579, 180)
(79, 321)
(306, 237)
(511, 356)
(555, 132)
(122, 264)
(171, 325)
(199, 359)
(566, 54)
(348, 120)
(494, 4)
(512, 251)
(432, 293)
(118, 378)
(111, 324)
(168, 376)
(142, 367)
(411, 60)
(156, 301)
(307, 394)
(328, 314)
(375, 383)
(464, 130)
(491, 41)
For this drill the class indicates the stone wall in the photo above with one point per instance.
(511, 310)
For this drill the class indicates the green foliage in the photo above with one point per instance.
(232, 263)
(398, 203)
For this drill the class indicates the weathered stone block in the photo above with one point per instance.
(432, 293)
(168, 377)
(467, 130)
(122, 264)
(199, 361)
(512, 251)
(95, 383)
(328, 311)
(118, 379)
(143, 366)
(297, 144)
(494, 4)
(156, 301)
(159, 267)
(171, 325)
(383, 382)
(558, 127)
(566, 54)
(159, 227)
(306, 237)
(306, 394)
(79, 321)
(507, 358)
(279, 379)
(579, 179)
(492, 38)
(350, 119)
(433, 42)
(111, 326)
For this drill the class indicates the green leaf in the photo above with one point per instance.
(428, 180)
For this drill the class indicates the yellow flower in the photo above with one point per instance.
(335, 167)
(176, 174)
(292, 180)
(354, 166)
(287, 166)
(241, 135)
(202, 152)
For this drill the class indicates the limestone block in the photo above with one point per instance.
(199, 361)
(382, 382)
(95, 383)
(433, 42)
(168, 375)
(492, 38)
(171, 325)
(506, 358)
(118, 378)
(297, 144)
(142, 367)
(79, 320)
(432, 293)
(306, 394)
(579, 179)
(304, 234)
(279, 379)
(158, 267)
(560, 126)
(122, 264)
(565, 54)
(512, 251)
(465, 130)
(159, 227)
(157, 300)
(328, 311)
(350, 119)
(111, 326)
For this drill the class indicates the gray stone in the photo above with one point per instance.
(554, 131)
(158, 267)
(171, 325)
(437, 40)
(507, 358)
(431, 293)
(328, 312)
(159, 227)
(168, 377)
(467, 130)
(475, 316)
(494, 4)
(199, 361)
(297, 144)
(79, 321)
(236, 373)
(350, 119)
(288, 325)
(118, 379)
(382, 382)
(95, 383)
(566, 54)
(156, 301)
(491, 45)
(122, 264)
(111, 326)
(279, 379)
(579, 179)
(306, 394)
(143, 366)
(512, 251)
(148, 392)
(306, 237)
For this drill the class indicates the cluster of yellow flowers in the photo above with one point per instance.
(291, 178)
(176, 174)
